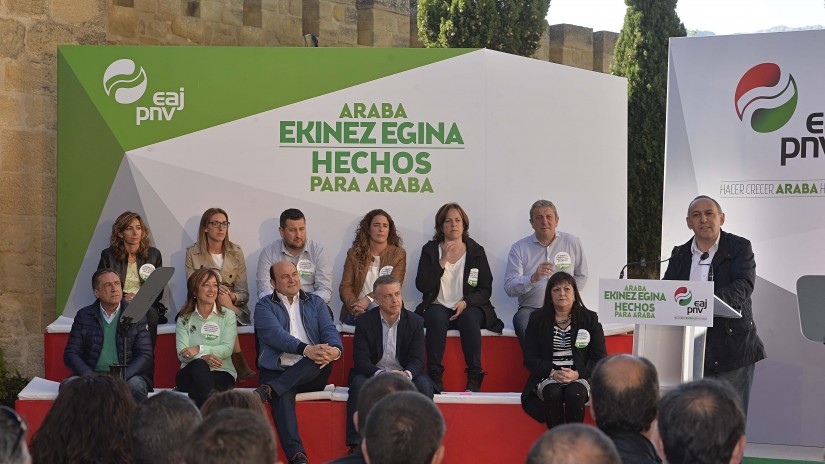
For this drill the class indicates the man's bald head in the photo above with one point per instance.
(573, 444)
(624, 393)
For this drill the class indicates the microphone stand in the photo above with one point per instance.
(645, 263)
(124, 325)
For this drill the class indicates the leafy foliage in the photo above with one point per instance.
(512, 26)
(641, 55)
(10, 384)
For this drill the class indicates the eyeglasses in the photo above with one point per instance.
(22, 428)
(219, 225)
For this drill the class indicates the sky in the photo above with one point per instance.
(717, 16)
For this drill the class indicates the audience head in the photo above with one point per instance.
(573, 444)
(624, 393)
(13, 428)
(377, 227)
(129, 230)
(374, 390)
(232, 399)
(88, 422)
(449, 216)
(284, 278)
(231, 436)
(214, 227)
(404, 427)
(702, 423)
(293, 229)
(160, 428)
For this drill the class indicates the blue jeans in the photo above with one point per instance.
(349, 319)
(304, 376)
(520, 320)
(741, 379)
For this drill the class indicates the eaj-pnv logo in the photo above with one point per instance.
(124, 81)
(772, 102)
(683, 296)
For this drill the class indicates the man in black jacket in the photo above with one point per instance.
(733, 346)
(389, 340)
(96, 339)
(624, 393)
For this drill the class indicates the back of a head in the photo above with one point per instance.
(13, 449)
(161, 426)
(232, 399)
(573, 444)
(624, 391)
(230, 436)
(375, 389)
(88, 422)
(701, 422)
(403, 427)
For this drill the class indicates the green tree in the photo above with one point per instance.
(641, 57)
(512, 26)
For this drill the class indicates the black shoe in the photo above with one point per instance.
(474, 381)
(264, 392)
(438, 381)
(299, 458)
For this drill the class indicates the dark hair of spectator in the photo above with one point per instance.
(231, 436)
(549, 310)
(98, 273)
(403, 427)
(361, 243)
(701, 422)
(232, 399)
(375, 389)
(88, 423)
(160, 428)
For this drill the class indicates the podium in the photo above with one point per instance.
(671, 318)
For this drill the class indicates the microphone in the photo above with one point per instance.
(710, 266)
(673, 253)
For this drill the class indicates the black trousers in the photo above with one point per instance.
(565, 403)
(199, 381)
(469, 323)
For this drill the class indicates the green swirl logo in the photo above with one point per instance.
(773, 99)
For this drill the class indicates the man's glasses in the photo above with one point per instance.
(22, 428)
(219, 225)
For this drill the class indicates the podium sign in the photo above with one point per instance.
(656, 302)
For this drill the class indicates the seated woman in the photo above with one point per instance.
(204, 337)
(562, 344)
(455, 280)
(133, 257)
(376, 251)
(213, 250)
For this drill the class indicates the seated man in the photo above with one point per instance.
(96, 339)
(404, 427)
(624, 394)
(702, 422)
(573, 443)
(389, 341)
(298, 343)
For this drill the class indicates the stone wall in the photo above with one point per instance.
(30, 31)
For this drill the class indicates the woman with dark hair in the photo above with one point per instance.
(562, 344)
(204, 336)
(88, 422)
(133, 257)
(376, 251)
(455, 280)
(213, 250)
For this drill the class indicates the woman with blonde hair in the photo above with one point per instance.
(213, 250)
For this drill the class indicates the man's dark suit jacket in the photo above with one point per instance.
(368, 343)
(731, 343)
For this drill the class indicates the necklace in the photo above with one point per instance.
(563, 321)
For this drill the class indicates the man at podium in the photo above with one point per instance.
(733, 346)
